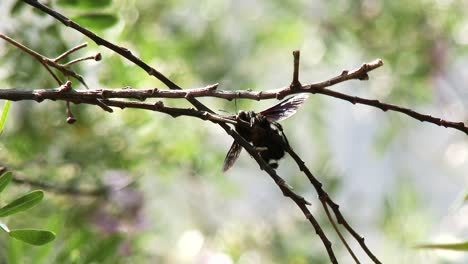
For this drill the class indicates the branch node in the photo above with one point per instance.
(103, 94)
(279, 96)
(65, 87)
(98, 56)
(364, 77)
(159, 105)
(259, 95)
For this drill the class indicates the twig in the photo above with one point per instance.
(59, 189)
(96, 57)
(390, 107)
(19, 179)
(337, 230)
(70, 51)
(296, 84)
(47, 61)
(325, 198)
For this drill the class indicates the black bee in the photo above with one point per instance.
(263, 131)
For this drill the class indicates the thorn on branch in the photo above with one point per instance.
(213, 87)
(295, 84)
(104, 106)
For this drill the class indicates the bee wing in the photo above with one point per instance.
(284, 109)
(232, 156)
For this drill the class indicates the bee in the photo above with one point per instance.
(264, 132)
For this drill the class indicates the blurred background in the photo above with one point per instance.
(399, 182)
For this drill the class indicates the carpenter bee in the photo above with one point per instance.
(264, 132)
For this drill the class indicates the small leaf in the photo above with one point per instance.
(6, 107)
(463, 246)
(96, 21)
(23, 203)
(4, 180)
(33, 236)
(85, 4)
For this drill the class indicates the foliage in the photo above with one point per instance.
(25, 202)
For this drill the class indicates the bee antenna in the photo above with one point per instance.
(224, 111)
(235, 104)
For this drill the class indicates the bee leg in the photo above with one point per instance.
(273, 164)
(261, 149)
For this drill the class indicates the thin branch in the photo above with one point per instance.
(70, 51)
(324, 197)
(96, 57)
(296, 84)
(337, 230)
(390, 107)
(46, 186)
(47, 61)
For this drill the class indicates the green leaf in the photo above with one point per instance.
(23, 203)
(463, 246)
(4, 180)
(6, 107)
(85, 4)
(33, 236)
(96, 21)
